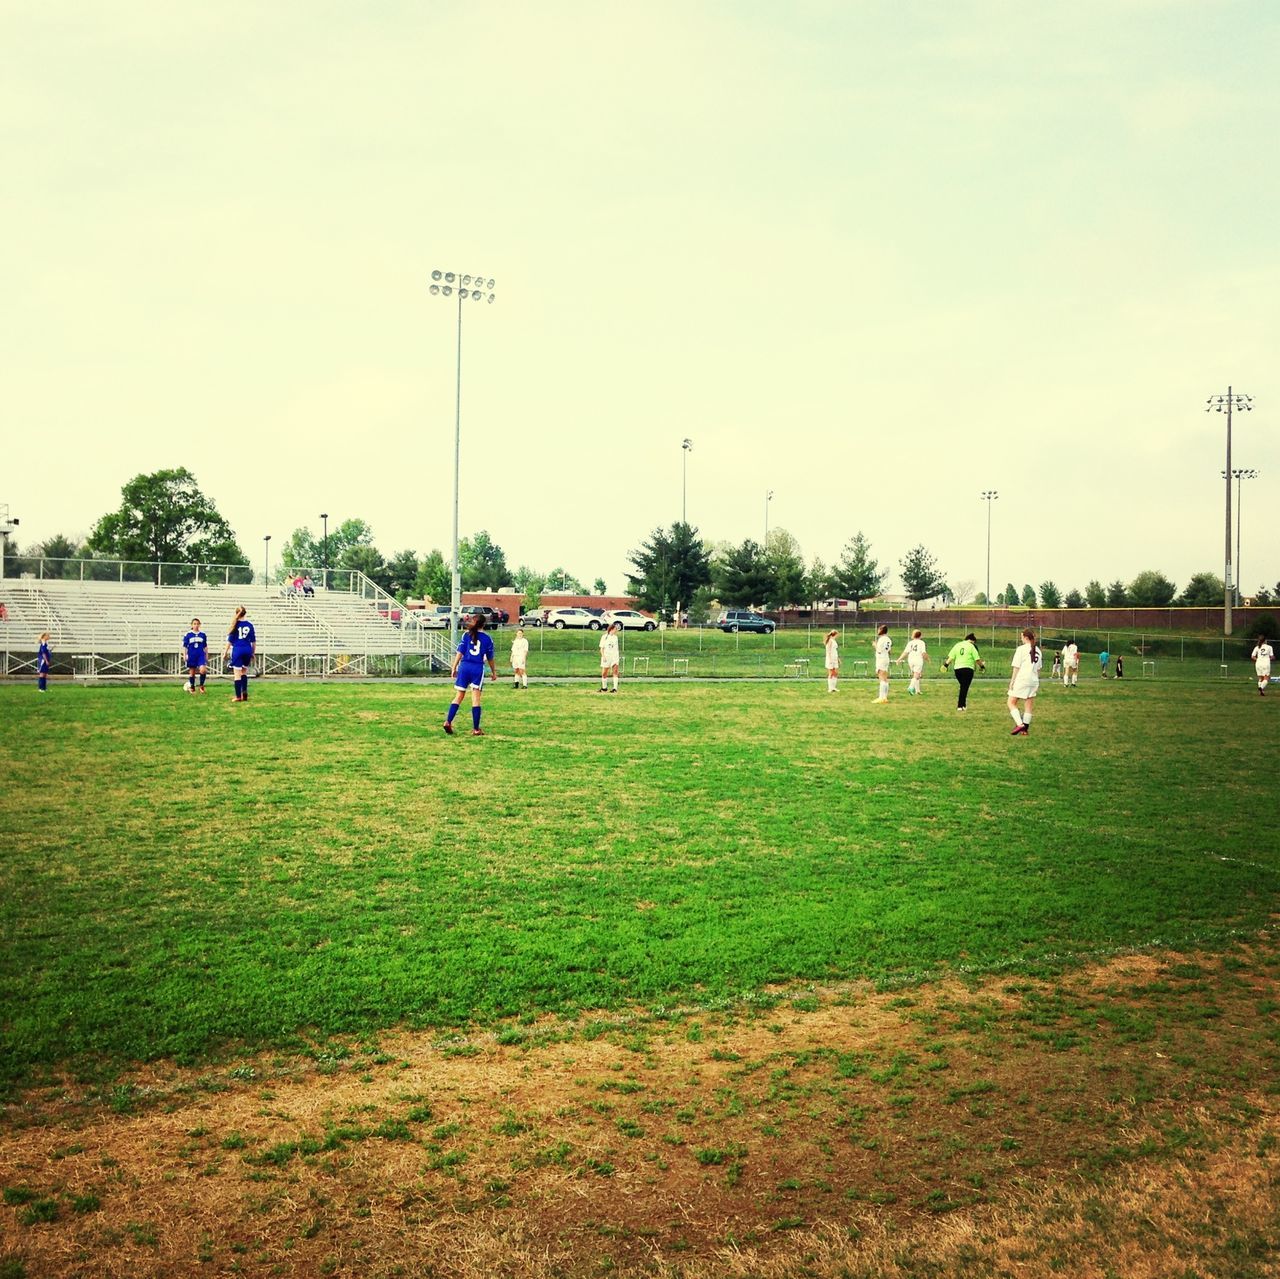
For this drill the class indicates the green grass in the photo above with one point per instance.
(180, 874)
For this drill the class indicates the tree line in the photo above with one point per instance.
(164, 516)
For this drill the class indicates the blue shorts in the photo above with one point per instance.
(196, 660)
(241, 656)
(470, 676)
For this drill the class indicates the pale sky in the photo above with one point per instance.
(875, 257)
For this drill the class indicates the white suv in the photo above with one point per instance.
(559, 618)
(629, 619)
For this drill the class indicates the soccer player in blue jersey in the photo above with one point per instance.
(42, 663)
(474, 650)
(241, 645)
(195, 644)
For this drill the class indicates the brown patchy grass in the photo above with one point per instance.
(1117, 1121)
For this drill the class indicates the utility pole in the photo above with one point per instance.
(1225, 404)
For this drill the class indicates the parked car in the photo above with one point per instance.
(559, 618)
(743, 619)
(435, 618)
(492, 617)
(595, 612)
(532, 617)
(629, 619)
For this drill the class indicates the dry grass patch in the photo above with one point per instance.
(1116, 1121)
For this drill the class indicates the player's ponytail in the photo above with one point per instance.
(884, 630)
(240, 612)
(1030, 636)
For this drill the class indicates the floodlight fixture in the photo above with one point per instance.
(1232, 401)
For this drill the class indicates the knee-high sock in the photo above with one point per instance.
(202, 675)
(42, 683)
(884, 688)
(191, 679)
(475, 716)
(453, 710)
(1017, 718)
(1026, 715)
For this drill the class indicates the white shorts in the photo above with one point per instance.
(915, 665)
(1263, 667)
(1025, 688)
(882, 666)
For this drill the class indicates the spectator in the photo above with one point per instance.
(308, 586)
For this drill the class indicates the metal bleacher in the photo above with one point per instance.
(129, 628)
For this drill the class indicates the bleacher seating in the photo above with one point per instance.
(138, 617)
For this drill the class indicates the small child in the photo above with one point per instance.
(520, 658)
(1119, 666)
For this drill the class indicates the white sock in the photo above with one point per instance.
(524, 681)
(615, 683)
(884, 688)
(1026, 716)
(1017, 719)
(831, 684)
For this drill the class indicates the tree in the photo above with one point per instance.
(432, 581)
(304, 550)
(367, 560)
(1028, 596)
(1074, 599)
(1151, 589)
(563, 583)
(1204, 590)
(599, 586)
(856, 575)
(1050, 596)
(921, 578)
(1095, 594)
(1117, 596)
(817, 583)
(482, 563)
(742, 577)
(402, 573)
(1009, 598)
(963, 591)
(700, 606)
(59, 554)
(1264, 596)
(980, 598)
(669, 567)
(165, 517)
(786, 570)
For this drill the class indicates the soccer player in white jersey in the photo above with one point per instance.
(915, 655)
(609, 657)
(520, 658)
(831, 659)
(884, 649)
(1262, 656)
(1070, 665)
(1024, 682)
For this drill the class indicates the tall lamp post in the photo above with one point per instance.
(1225, 404)
(686, 447)
(1239, 474)
(7, 524)
(266, 561)
(768, 497)
(474, 288)
(324, 517)
(989, 496)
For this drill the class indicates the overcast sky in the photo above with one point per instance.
(876, 257)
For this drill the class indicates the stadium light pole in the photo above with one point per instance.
(7, 524)
(989, 496)
(686, 447)
(768, 497)
(473, 288)
(266, 562)
(324, 517)
(1226, 404)
(1240, 474)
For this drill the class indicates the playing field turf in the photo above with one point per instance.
(178, 872)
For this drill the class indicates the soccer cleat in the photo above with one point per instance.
(1020, 731)
(603, 690)
(613, 690)
(477, 732)
(448, 728)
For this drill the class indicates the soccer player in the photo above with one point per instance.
(916, 655)
(1103, 658)
(520, 658)
(1024, 682)
(475, 648)
(609, 656)
(1057, 666)
(1119, 666)
(195, 647)
(43, 662)
(883, 647)
(1262, 655)
(965, 657)
(831, 657)
(242, 644)
(1070, 665)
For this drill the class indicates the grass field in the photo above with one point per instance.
(180, 873)
(702, 980)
